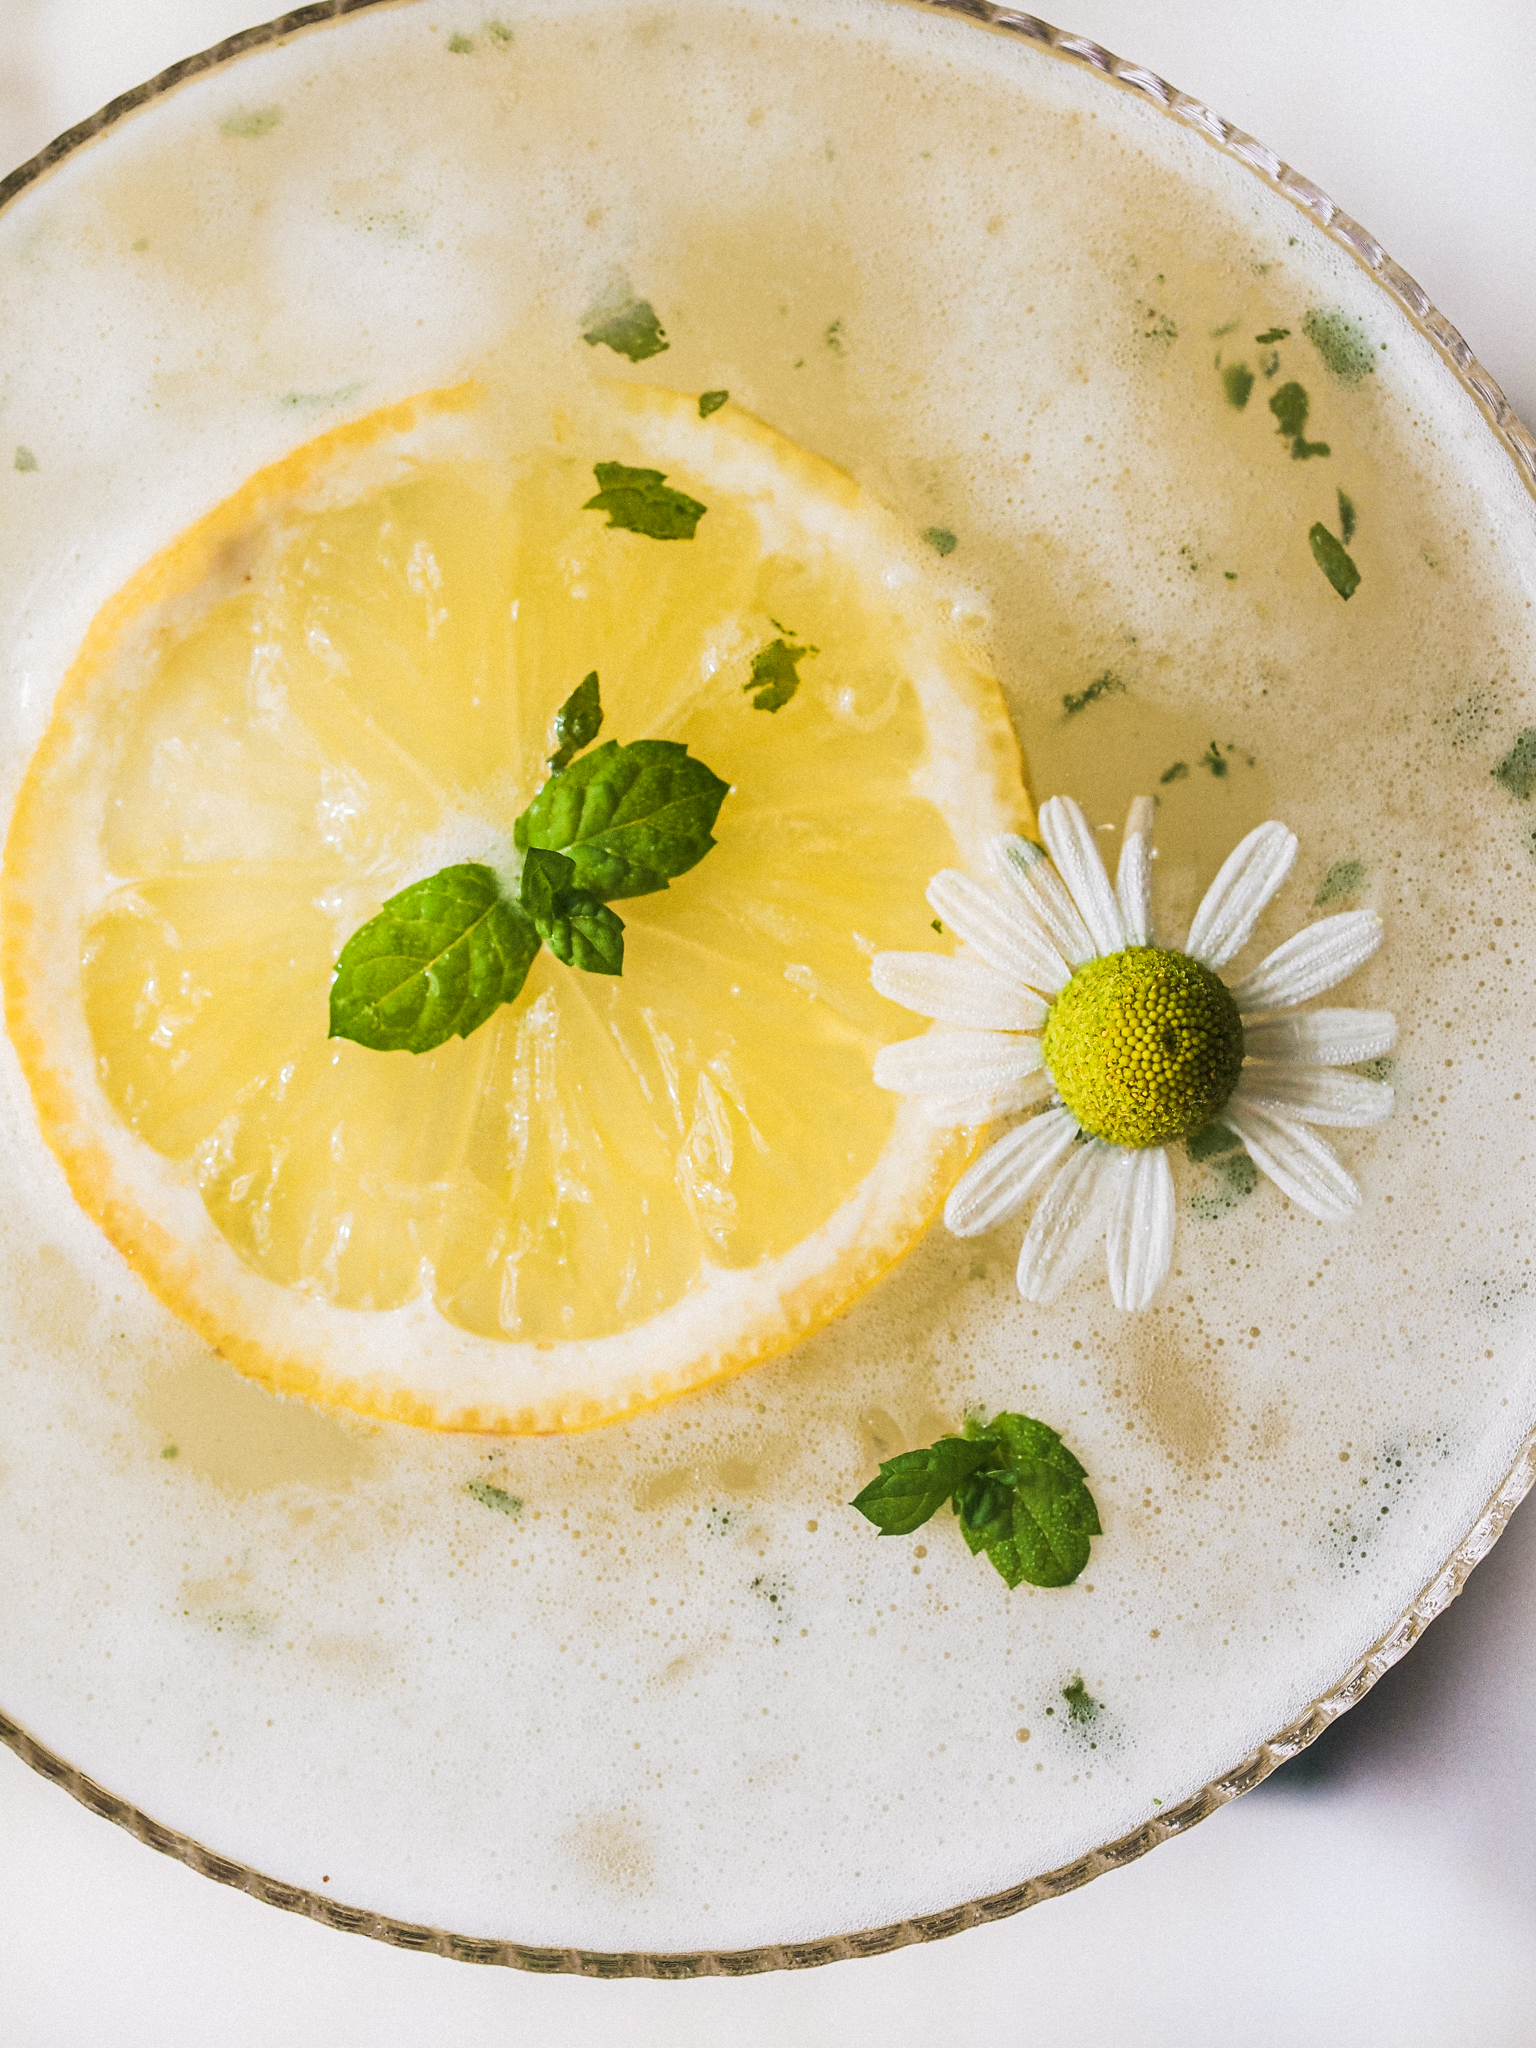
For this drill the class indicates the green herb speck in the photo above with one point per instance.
(25, 459)
(642, 501)
(1230, 574)
(1379, 1069)
(1212, 759)
(171, 1451)
(1176, 773)
(1335, 564)
(1080, 1707)
(1517, 771)
(711, 401)
(834, 337)
(1237, 382)
(936, 926)
(1344, 878)
(1272, 335)
(775, 674)
(249, 124)
(1346, 516)
(496, 1497)
(940, 539)
(1290, 406)
(1106, 685)
(631, 329)
(498, 32)
(1209, 1140)
(460, 45)
(140, 245)
(1341, 341)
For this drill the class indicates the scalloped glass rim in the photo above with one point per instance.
(1436, 1596)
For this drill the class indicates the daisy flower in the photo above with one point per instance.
(1060, 995)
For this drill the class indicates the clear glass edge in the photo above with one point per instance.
(1435, 1597)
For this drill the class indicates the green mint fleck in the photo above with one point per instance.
(25, 459)
(711, 401)
(940, 539)
(577, 723)
(309, 401)
(498, 32)
(1230, 575)
(935, 925)
(642, 501)
(496, 1497)
(1159, 327)
(1019, 1493)
(1237, 382)
(171, 1451)
(1270, 364)
(1381, 1069)
(1346, 516)
(140, 245)
(834, 337)
(249, 124)
(1209, 1140)
(1335, 564)
(1342, 342)
(775, 676)
(460, 45)
(578, 929)
(631, 330)
(1517, 771)
(1290, 406)
(1344, 878)
(1106, 685)
(439, 959)
(1218, 332)
(629, 818)
(1176, 773)
(1213, 759)
(1271, 335)
(1236, 1178)
(1080, 1707)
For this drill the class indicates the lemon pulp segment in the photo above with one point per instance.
(345, 678)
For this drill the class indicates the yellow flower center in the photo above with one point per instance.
(1144, 1046)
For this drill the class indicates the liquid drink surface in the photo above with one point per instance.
(678, 1696)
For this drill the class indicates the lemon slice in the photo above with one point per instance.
(344, 678)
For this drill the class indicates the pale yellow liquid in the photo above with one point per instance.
(683, 1697)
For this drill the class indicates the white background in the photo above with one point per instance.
(1383, 1889)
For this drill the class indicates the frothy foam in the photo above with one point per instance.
(658, 1687)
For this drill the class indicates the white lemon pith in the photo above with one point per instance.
(344, 678)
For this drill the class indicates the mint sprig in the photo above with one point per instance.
(1019, 1493)
(443, 955)
(437, 961)
(642, 501)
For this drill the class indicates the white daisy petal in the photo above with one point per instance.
(1300, 1165)
(998, 929)
(1230, 908)
(1023, 865)
(1008, 1172)
(956, 1063)
(1133, 883)
(956, 1112)
(1072, 1219)
(957, 991)
(1140, 1235)
(1313, 961)
(1315, 1095)
(1323, 1038)
(1069, 840)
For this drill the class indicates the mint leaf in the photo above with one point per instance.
(774, 674)
(576, 927)
(1517, 771)
(1273, 334)
(941, 540)
(496, 1497)
(1176, 773)
(711, 401)
(642, 501)
(1106, 685)
(577, 723)
(1237, 382)
(437, 961)
(630, 818)
(631, 330)
(1346, 516)
(1330, 557)
(916, 1485)
(1290, 406)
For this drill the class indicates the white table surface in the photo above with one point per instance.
(1387, 1897)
